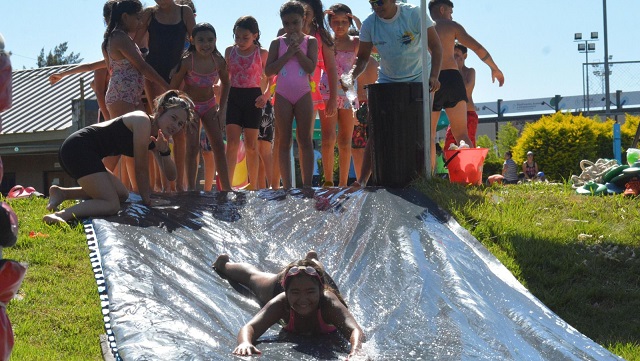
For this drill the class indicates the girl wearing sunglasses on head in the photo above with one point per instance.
(301, 297)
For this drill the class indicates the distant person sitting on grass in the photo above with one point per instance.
(302, 296)
(134, 134)
(509, 172)
(530, 168)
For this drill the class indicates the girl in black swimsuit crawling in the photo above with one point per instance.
(134, 134)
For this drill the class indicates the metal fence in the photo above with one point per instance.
(623, 75)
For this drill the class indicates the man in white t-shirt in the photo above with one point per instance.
(394, 29)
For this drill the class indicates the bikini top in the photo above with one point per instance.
(195, 79)
(324, 327)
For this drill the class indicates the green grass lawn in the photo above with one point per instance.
(579, 255)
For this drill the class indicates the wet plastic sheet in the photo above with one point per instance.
(419, 285)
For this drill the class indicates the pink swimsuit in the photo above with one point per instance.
(126, 82)
(344, 63)
(293, 81)
(198, 80)
(245, 71)
(324, 327)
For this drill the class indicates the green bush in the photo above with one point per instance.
(559, 141)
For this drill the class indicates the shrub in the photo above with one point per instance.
(560, 141)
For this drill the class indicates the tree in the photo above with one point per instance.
(58, 57)
(507, 138)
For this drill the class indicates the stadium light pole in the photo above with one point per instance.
(588, 47)
(606, 59)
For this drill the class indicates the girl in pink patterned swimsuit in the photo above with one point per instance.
(293, 58)
(200, 69)
(128, 69)
(246, 60)
(346, 48)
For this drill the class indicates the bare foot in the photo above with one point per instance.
(53, 219)
(220, 262)
(55, 198)
(311, 255)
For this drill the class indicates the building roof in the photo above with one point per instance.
(38, 106)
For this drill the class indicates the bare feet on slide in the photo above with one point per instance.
(55, 198)
(220, 262)
(53, 219)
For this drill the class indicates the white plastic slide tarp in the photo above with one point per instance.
(419, 285)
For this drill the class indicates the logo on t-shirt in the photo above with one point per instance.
(407, 38)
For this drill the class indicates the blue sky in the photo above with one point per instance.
(531, 41)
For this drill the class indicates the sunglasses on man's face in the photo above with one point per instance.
(376, 2)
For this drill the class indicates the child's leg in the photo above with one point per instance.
(192, 154)
(266, 157)
(102, 192)
(458, 122)
(233, 143)
(345, 132)
(261, 182)
(328, 128)
(283, 111)
(260, 283)
(209, 170)
(251, 152)
(275, 159)
(304, 112)
(179, 155)
(130, 165)
(214, 132)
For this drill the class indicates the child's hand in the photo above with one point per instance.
(246, 349)
(161, 142)
(261, 101)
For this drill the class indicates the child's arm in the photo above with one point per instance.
(224, 89)
(336, 313)
(328, 52)
(309, 60)
(141, 128)
(259, 324)
(164, 160)
(189, 19)
(144, 26)
(56, 77)
(266, 94)
(100, 84)
(128, 50)
(275, 63)
(178, 77)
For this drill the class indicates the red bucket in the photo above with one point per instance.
(465, 165)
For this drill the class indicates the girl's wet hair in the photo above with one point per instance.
(323, 283)
(106, 11)
(200, 27)
(118, 8)
(292, 7)
(340, 8)
(248, 23)
(173, 99)
(318, 20)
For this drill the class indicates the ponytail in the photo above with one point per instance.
(118, 8)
